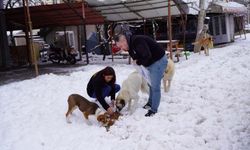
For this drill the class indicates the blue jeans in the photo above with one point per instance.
(156, 71)
(106, 91)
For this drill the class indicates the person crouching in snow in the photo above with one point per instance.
(101, 85)
(144, 51)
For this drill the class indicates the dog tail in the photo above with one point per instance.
(211, 43)
(144, 86)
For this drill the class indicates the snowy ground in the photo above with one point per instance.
(207, 108)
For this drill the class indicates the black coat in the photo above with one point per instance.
(97, 84)
(144, 49)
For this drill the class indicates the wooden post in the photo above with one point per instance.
(110, 39)
(27, 34)
(85, 32)
(112, 54)
(170, 29)
(184, 34)
(85, 42)
(154, 30)
(79, 38)
(30, 33)
(144, 26)
(65, 40)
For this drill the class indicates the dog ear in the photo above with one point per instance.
(101, 118)
(122, 102)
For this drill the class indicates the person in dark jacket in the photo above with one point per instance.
(101, 85)
(144, 51)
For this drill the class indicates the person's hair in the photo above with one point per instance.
(109, 71)
(119, 37)
(121, 29)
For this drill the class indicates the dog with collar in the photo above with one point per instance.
(129, 93)
(135, 83)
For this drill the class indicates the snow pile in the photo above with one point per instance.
(207, 108)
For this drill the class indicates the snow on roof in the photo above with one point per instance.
(228, 7)
(193, 6)
(225, 7)
(229, 4)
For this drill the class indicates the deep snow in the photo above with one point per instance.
(207, 108)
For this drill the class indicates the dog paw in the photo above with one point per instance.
(131, 113)
(89, 123)
(68, 121)
(126, 113)
(166, 90)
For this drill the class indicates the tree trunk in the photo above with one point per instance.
(201, 17)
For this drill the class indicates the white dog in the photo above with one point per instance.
(135, 83)
(168, 75)
(129, 91)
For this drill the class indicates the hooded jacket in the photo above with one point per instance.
(96, 85)
(144, 49)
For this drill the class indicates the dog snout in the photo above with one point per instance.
(119, 108)
(120, 105)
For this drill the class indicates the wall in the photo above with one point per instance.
(4, 49)
(50, 38)
(223, 28)
(231, 27)
(89, 29)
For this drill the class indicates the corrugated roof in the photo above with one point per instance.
(115, 10)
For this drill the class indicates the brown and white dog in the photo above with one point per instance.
(85, 106)
(206, 42)
(108, 120)
(168, 75)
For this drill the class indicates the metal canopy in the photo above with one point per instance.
(137, 9)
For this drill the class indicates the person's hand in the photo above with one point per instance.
(113, 103)
(110, 111)
(134, 62)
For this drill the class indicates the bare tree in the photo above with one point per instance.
(201, 17)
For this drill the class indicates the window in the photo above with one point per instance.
(217, 26)
(223, 25)
(211, 28)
